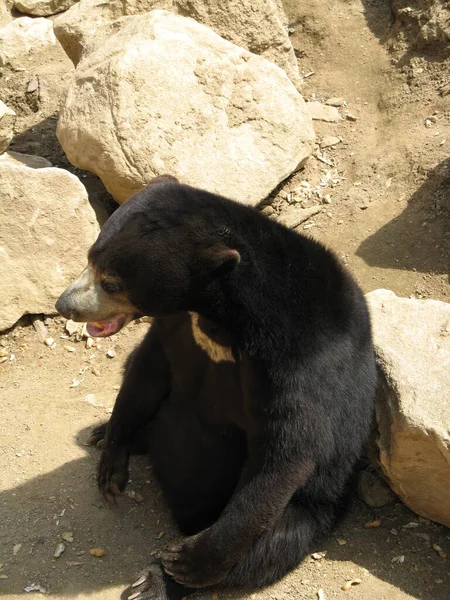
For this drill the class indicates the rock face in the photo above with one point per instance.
(43, 240)
(18, 159)
(425, 22)
(167, 95)
(7, 120)
(262, 31)
(43, 8)
(412, 342)
(22, 36)
(5, 15)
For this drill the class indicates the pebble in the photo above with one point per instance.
(341, 542)
(49, 341)
(67, 536)
(372, 524)
(97, 552)
(134, 496)
(319, 555)
(268, 211)
(96, 371)
(320, 594)
(439, 550)
(349, 584)
(399, 559)
(329, 140)
(322, 112)
(327, 199)
(41, 329)
(59, 550)
(111, 353)
(69, 348)
(351, 117)
(16, 549)
(336, 102)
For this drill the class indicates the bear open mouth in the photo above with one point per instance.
(107, 327)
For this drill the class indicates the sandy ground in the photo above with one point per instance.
(388, 220)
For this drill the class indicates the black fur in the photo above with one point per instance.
(254, 456)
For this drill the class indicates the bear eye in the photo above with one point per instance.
(109, 286)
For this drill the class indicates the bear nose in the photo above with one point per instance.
(65, 309)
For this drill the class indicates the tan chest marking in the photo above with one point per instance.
(216, 352)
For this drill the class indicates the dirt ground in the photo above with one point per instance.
(388, 219)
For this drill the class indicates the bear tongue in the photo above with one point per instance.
(107, 327)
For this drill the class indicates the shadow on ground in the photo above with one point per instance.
(36, 513)
(418, 239)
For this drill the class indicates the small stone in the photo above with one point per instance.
(399, 559)
(59, 550)
(411, 525)
(319, 555)
(341, 542)
(33, 85)
(327, 199)
(67, 536)
(134, 496)
(268, 211)
(75, 383)
(96, 371)
(74, 563)
(89, 343)
(69, 348)
(349, 584)
(3, 576)
(72, 327)
(16, 549)
(329, 140)
(320, 594)
(97, 552)
(49, 341)
(372, 524)
(350, 117)
(336, 102)
(40, 329)
(321, 112)
(439, 550)
(111, 353)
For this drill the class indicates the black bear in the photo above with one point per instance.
(252, 392)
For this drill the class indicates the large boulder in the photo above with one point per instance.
(165, 94)
(262, 31)
(412, 343)
(7, 120)
(24, 36)
(43, 8)
(46, 228)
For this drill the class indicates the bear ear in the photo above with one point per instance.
(221, 259)
(163, 179)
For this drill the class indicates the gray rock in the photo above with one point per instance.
(165, 94)
(412, 344)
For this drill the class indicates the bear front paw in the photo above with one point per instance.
(112, 473)
(196, 562)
